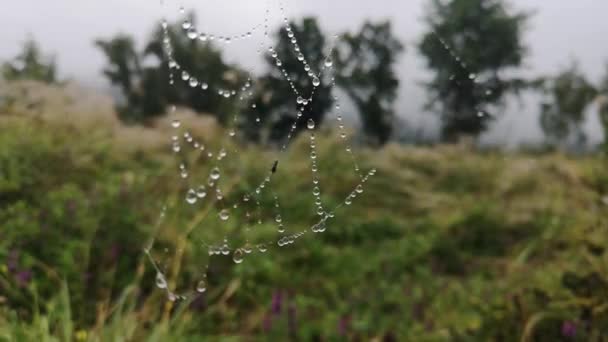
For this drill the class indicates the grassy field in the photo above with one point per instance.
(444, 244)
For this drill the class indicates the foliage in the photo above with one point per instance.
(603, 106)
(143, 77)
(365, 63)
(470, 46)
(515, 250)
(275, 103)
(30, 64)
(562, 116)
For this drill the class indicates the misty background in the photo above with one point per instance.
(558, 33)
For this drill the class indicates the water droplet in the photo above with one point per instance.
(315, 81)
(278, 219)
(225, 250)
(186, 25)
(237, 256)
(193, 82)
(191, 196)
(175, 123)
(192, 34)
(161, 282)
(185, 75)
(472, 76)
(215, 173)
(262, 248)
(201, 192)
(247, 248)
(328, 63)
(204, 86)
(201, 286)
(172, 297)
(222, 154)
(319, 227)
(310, 124)
(359, 188)
(224, 214)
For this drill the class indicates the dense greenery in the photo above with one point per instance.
(469, 46)
(443, 244)
(146, 87)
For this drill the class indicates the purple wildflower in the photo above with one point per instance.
(13, 261)
(344, 325)
(277, 302)
(568, 329)
(24, 277)
(114, 252)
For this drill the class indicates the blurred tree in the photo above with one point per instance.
(365, 71)
(274, 103)
(563, 113)
(363, 64)
(469, 44)
(143, 77)
(124, 71)
(31, 64)
(603, 106)
(199, 59)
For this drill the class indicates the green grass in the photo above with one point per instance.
(443, 244)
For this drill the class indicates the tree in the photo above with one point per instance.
(31, 64)
(143, 77)
(603, 106)
(562, 115)
(124, 71)
(275, 102)
(365, 71)
(468, 46)
(363, 65)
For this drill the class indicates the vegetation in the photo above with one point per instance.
(564, 114)
(146, 87)
(468, 46)
(30, 64)
(443, 244)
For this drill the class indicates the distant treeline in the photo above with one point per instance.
(471, 46)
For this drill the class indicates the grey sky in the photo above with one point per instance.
(560, 31)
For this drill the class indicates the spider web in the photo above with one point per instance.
(216, 207)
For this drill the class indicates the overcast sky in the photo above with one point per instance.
(560, 30)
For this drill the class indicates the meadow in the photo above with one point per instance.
(445, 243)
